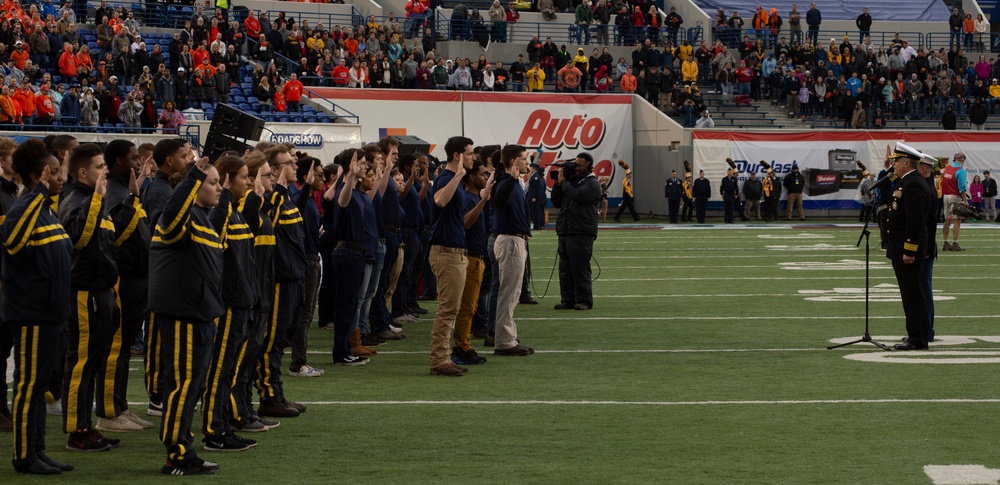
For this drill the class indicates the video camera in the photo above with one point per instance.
(563, 164)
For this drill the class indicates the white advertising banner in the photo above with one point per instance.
(828, 159)
(556, 127)
(322, 141)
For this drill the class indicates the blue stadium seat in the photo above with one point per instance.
(308, 109)
(237, 98)
(253, 99)
(309, 119)
(207, 106)
(282, 118)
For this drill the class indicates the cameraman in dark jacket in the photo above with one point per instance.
(577, 198)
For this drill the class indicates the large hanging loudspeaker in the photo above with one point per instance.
(216, 145)
(412, 144)
(234, 122)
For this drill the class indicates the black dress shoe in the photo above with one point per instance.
(66, 467)
(35, 467)
(529, 301)
(909, 346)
(563, 306)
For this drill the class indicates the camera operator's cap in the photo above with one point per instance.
(902, 150)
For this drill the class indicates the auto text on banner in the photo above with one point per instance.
(559, 126)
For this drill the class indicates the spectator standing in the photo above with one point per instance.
(701, 191)
(978, 115)
(989, 195)
(170, 118)
(794, 183)
(813, 19)
(752, 191)
(584, 17)
(954, 188)
(976, 193)
(705, 121)
(293, 93)
(602, 17)
(955, 25)
(864, 23)
(673, 23)
(795, 24)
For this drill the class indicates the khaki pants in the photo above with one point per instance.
(470, 302)
(449, 268)
(511, 253)
(794, 201)
(397, 267)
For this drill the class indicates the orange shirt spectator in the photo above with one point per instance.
(292, 90)
(198, 56)
(8, 111)
(67, 62)
(83, 60)
(25, 97)
(341, 74)
(352, 46)
(20, 57)
(43, 104)
(969, 24)
(628, 82)
(252, 26)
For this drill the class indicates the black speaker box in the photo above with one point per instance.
(234, 122)
(412, 144)
(216, 145)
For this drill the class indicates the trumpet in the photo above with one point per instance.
(623, 164)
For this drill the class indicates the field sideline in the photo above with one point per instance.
(702, 362)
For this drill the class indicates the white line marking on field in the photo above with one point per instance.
(843, 264)
(885, 292)
(749, 318)
(938, 339)
(845, 291)
(962, 475)
(814, 247)
(929, 357)
(642, 403)
(804, 235)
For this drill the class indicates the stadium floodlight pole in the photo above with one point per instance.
(865, 236)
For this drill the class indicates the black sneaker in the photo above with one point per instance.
(350, 361)
(190, 466)
(224, 443)
(87, 440)
(418, 310)
(249, 442)
(489, 341)
(112, 442)
(466, 357)
(155, 408)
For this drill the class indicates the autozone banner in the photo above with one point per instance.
(556, 127)
(828, 160)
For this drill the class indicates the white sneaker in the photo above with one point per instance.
(307, 371)
(395, 329)
(129, 415)
(121, 424)
(404, 319)
(54, 408)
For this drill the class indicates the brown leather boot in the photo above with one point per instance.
(357, 349)
(6, 424)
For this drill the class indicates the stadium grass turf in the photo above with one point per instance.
(700, 363)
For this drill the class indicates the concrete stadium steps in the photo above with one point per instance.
(896, 10)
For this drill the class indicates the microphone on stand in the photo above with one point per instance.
(885, 180)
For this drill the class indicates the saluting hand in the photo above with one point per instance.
(225, 181)
(102, 183)
(202, 164)
(311, 176)
(133, 183)
(487, 191)
(258, 186)
(44, 179)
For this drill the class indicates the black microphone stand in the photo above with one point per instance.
(865, 235)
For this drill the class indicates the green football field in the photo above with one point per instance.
(703, 361)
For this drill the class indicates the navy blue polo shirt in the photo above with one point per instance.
(356, 223)
(379, 203)
(392, 213)
(510, 215)
(310, 219)
(447, 223)
(412, 218)
(475, 235)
